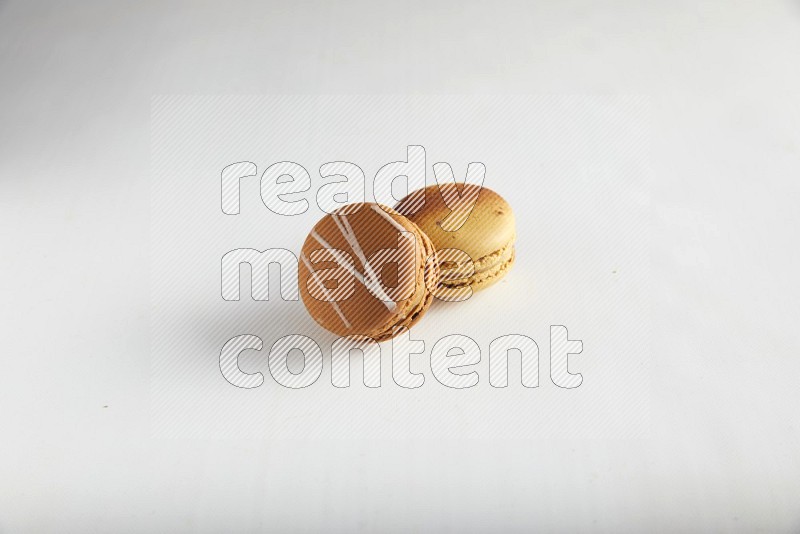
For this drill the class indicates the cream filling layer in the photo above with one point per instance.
(483, 266)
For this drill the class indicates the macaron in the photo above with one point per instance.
(486, 233)
(364, 270)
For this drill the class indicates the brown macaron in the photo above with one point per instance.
(364, 270)
(486, 233)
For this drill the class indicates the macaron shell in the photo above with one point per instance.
(413, 313)
(374, 228)
(487, 236)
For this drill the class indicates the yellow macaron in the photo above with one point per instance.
(486, 233)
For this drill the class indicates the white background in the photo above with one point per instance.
(76, 82)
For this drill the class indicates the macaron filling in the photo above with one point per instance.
(488, 267)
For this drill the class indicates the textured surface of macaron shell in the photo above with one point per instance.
(487, 236)
(373, 228)
(489, 228)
